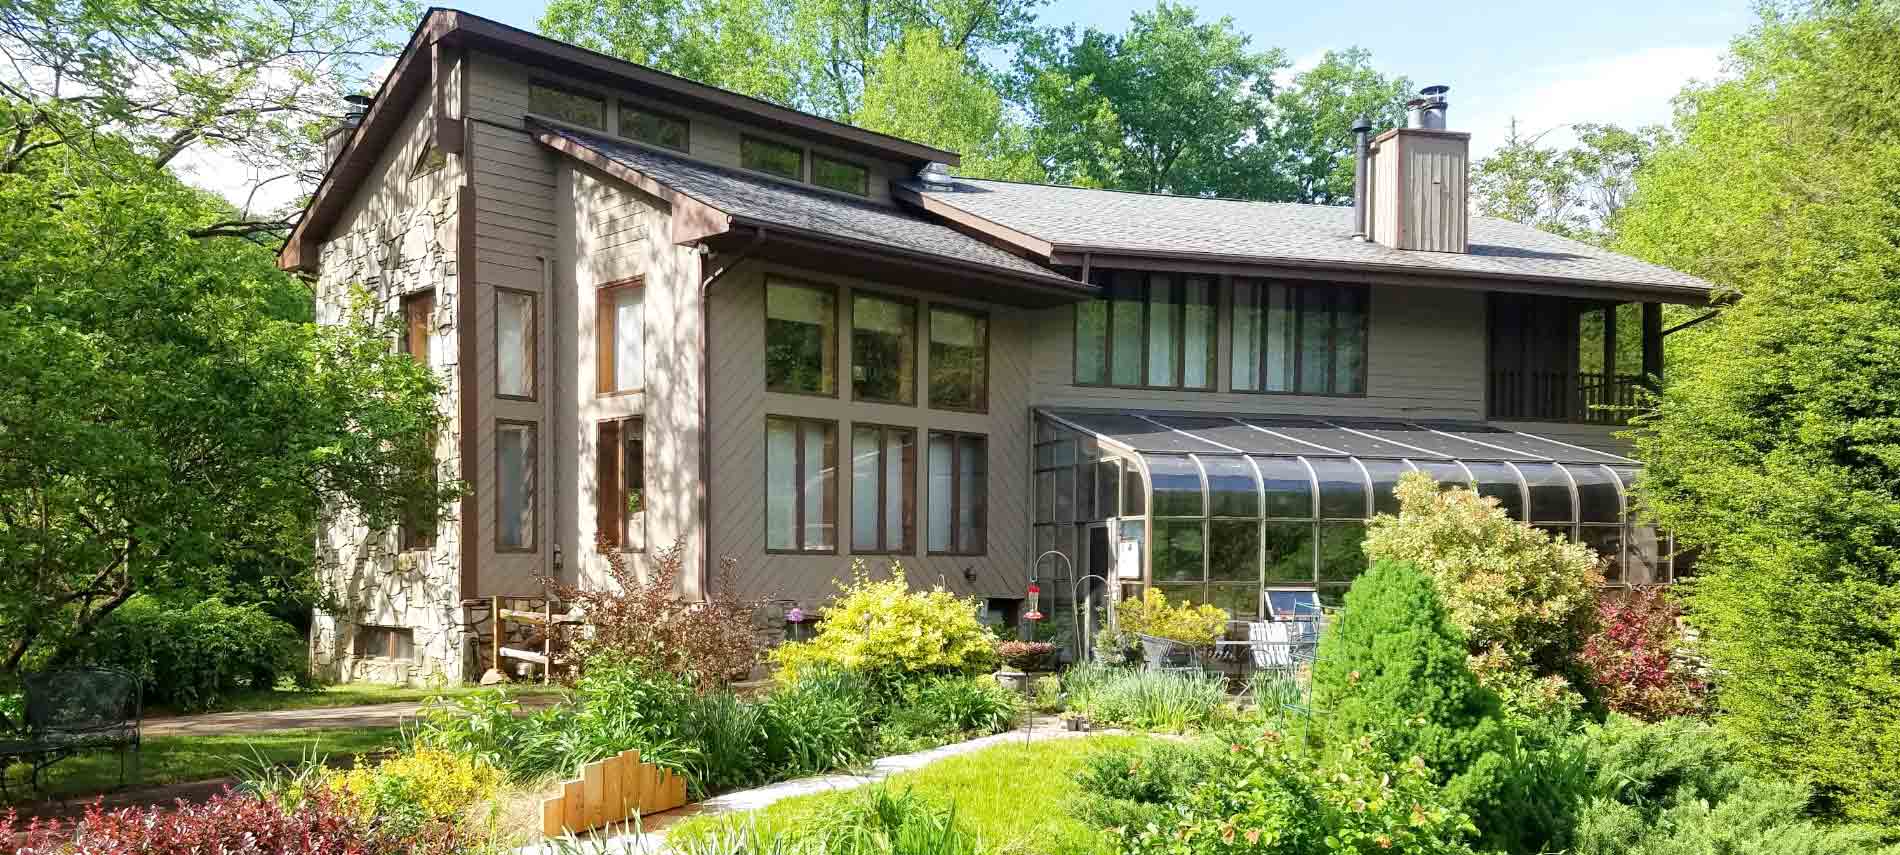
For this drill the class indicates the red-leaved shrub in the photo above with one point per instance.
(1025, 655)
(227, 824)
(1633, 658)
(709, 643)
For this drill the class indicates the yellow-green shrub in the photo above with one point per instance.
(1185, 622)
(885, 628)
(436, 784)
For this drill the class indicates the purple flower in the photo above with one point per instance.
(796, 615)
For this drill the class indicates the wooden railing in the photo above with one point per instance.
(1560, 396)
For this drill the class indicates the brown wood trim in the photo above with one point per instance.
(534, 343)
(917, 310)
(983, 406)
(449, 130)
(533, 458)
(466, 356)
(607, 519)
(606, 331)
(1023, 242)
(1053, 285)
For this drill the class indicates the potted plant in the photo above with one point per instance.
(1018, 658)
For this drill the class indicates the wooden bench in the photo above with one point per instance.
(69, 712)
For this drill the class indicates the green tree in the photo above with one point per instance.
(814, 55)
(1167, 107)
(928, 91)
(1775, 447)
(1576, 192)
(1311, 142)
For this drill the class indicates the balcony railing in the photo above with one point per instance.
(1560, 396)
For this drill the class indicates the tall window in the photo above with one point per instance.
(840, 175)
(801, 485)
(959, 493)
(417, 530)
(514, 344)
(1305, 339)
(621, 486)
(883, 349)
(514, 485)
(770, 156)
(959, 359)
(568, 106)
(883, 488)
(650, 127)
(1149, 329)
(620, 338)
(801, 338)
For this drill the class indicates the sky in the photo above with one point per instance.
(1545, 64)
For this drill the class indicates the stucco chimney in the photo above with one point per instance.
(1418, 180)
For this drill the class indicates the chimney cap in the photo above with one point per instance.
(1362, 124)
(1436, 90)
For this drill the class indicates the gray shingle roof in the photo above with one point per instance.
(1134, 223)
(774, 203)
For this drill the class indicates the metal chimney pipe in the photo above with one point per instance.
(1362, 153)
(1427, 111)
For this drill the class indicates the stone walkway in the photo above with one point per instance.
(366, 715)
(649, 839)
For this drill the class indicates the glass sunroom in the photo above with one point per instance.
(1264, 516)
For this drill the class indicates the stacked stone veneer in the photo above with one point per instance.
(364, 578)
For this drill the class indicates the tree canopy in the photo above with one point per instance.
(1577, 192)
(1775, 447)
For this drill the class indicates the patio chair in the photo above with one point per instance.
(70, 712)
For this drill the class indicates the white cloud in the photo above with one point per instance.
(1629, 89)
(1284, 77)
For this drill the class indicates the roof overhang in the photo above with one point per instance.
(419, 64)
(693, 220)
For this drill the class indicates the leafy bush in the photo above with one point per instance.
(1025, 655)
(1152, 614)
(708, 643)
(192, 657)
(1524, 600)
(729, 744)
(937, 710)
(1149, 700)
(1135, 787)
(817, 724)
(489, 727)
(886, 630)
(408, 792)
(322, 825)
(1632, 658)
(1048, 694)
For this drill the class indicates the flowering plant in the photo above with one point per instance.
(1025, 655)
(884, 628)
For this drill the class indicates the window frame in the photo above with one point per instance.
(883, 489)
(533, 497)
(837, 322)
(414, 339)
(917, 335)
(930, 324)
(956, 493)
(1216, 284)
(622, 106)
(532, 335)
(606, 337)
(804, 157)
(390, 634)
(616, 479)
(798, 486)
(864, 187)
(1295, 348)
(574, 91)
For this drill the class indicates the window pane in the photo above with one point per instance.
(1163, 311)
(1241, 602)
(514, 490)
(1607, 540)
(514, 344)
(1197, 363)
(777, 158)
(416, 309)
(584, 110)
(1175, 483)
(1289, 487)
(1499, 480)
(959, 359)
(800, 339)
(1597, 494)
(1177, 551)
(900, 493)
(840, 175)
(942, 454)
(1127, 312)
(1232, 487)
(1385, 478)
(1342, 556)
(1091, 341)
(1289, 552)
(1316, 326)
(1065, 494)
(883, 350)
(1342, 488)
(1045, 497)
(633, 484)
(1293, 605)
(629, 338)
(1642, 562)
(1247, 325)
(972, 493)
(1134, 492)
(1446, 474)
(867, 444)
(1550, 492)
(1085, 492)
(1108, 485)
(656, 128)
(1349, 342)
(781, 484)
(1233, 551)
(821, 484)
(1277, 339)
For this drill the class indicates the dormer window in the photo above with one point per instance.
(654, 128)
(567, 106)
(835, 174)
(772, 157)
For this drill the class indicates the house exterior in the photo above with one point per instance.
(669, 314)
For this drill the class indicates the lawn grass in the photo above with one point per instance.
(1009, 795)
(180, 759)
(343, 695)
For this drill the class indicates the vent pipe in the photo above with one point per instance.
(1361, 174)
(1427, 111)
(338, 137)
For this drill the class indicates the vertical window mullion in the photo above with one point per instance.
(1179, 380)
(1332, 341)
(798, 484)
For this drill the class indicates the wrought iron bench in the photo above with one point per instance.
(70, 712)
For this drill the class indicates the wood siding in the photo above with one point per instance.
(1419, 191)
